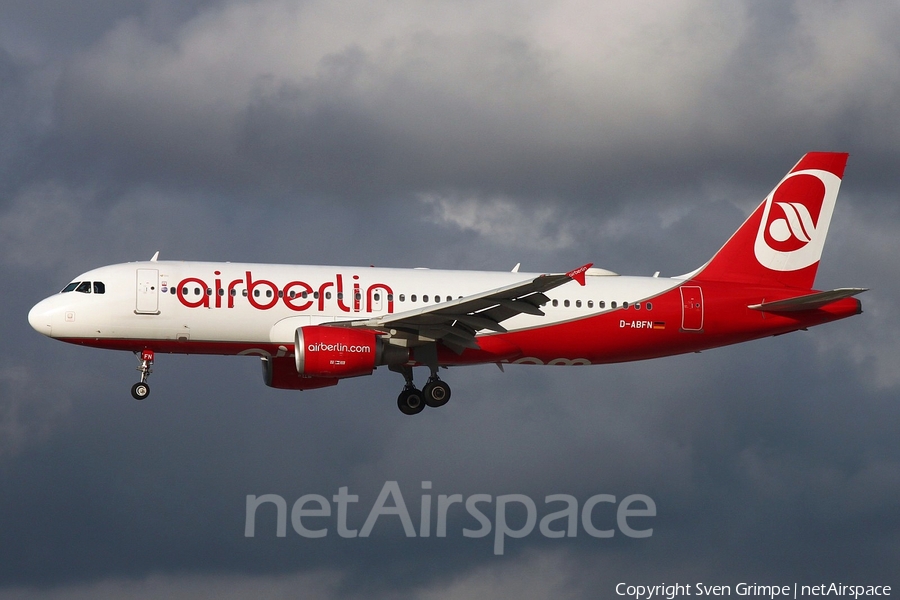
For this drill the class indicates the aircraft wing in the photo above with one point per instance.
(456, 322)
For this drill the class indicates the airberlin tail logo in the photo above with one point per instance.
(795, 220)
(793, 230)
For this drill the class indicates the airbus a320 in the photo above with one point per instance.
(312, 326)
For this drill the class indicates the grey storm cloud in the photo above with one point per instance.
(404, 98)
(452, 135)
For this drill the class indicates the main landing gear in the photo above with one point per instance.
(141, 389)
(412, 401)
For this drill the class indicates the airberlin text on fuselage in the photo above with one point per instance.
(299, 296)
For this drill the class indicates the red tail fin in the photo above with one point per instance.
(781, 242)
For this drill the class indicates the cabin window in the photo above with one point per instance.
(412, 298)
(221, 292)
(175, 291)
(390, 297)
(244, 293)
(280, 294)
(613, 304)
(316, 295)
(233, 292)
(602, 304)
(304, 295)
(625, 304)
(328, 295)
(555, 302)
(357, 296)
(637, 306)
(256, 293)
(566, 303)
(196, 291)
(649, 306)
(376, 296)
(425, 298)
(590, 304)
(402, 297)
(340, 296)
(578, 303)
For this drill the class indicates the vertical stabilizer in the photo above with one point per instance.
(781, 242)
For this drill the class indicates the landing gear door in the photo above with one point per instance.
(147, 302)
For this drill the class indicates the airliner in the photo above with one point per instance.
(312, 326)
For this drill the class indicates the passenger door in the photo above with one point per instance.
(147, 302)
(691, 308)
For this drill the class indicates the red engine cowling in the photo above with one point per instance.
(339, 352)
(282, 373)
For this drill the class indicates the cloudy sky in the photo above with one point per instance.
(448, 135)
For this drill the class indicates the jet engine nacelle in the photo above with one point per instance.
(337, 352)
(281, 373)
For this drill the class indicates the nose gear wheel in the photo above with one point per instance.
(141, 389)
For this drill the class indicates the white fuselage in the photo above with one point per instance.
(264, 303)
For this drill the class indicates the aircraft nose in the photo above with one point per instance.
(39, 318)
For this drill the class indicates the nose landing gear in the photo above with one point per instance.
(141, 389)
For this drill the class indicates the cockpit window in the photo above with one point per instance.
(85, 287)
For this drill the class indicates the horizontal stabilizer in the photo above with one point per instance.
(807, 302)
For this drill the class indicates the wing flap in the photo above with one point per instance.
(525, 306)
(477, 321)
